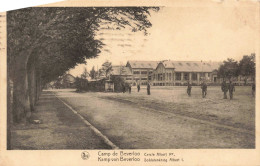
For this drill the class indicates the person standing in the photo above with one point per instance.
(224, 88)
(253, 89)
(130, 88)
(189, 88)
(148, 89)
(204, 89)
(138, 87)
(123, 87)
(231, 89)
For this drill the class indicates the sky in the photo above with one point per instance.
(211, 31)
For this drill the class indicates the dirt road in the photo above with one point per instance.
(129, 126)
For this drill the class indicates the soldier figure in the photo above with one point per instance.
(253, 89)
(204, 89)
(123, 88)
(231, 89)
(138, 87)
(130, 88)
(148, 88)
(189, 88)
(224, 88)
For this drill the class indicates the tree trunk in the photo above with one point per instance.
(31, 83)
(38, 85)
(21, 103)
(9, 109)
(36, 88)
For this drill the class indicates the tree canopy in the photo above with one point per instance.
(106, 68)
(64, 37)
(247, 65)
(228, 69)
(45, 42)
(231, 68)
(92, 73)
(85, 74)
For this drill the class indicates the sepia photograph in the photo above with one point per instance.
(132, 77)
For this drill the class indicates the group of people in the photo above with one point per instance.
(129, 86)
(126, 87)
(225, 87)
(203, 88)
(148, 88)
(228, 88)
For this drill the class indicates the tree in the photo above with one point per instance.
(122, 70)
(84, 75)
(228, 69)
(107, 68)
(100, 73)
(43, 43)
(247, 67)
(119, 82)
(93, 73)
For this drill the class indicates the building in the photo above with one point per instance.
(141, 71)
(123, 72)
(170, 73)
(66, 81)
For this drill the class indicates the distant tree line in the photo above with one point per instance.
(232, 69)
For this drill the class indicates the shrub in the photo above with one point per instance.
(119, 82)
(81, 84)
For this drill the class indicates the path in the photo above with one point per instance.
(128, 126)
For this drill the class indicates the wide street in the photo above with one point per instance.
(135, 125)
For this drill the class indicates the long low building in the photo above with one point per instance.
(173, 73)
(170, 73)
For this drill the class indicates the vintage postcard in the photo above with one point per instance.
(130, 83)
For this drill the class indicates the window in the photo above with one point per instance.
(136, 72)
(178, 76)
(143, 72)
(170, 76)
(128, 78)
(143, 78)
(194, 76)
(150, 72)
(160, 77)
(186, 76)
(215, 79)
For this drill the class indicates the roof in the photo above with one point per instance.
(68, 75)
(121, 70)
(192, 66)
(144, 64)
(68, 78)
